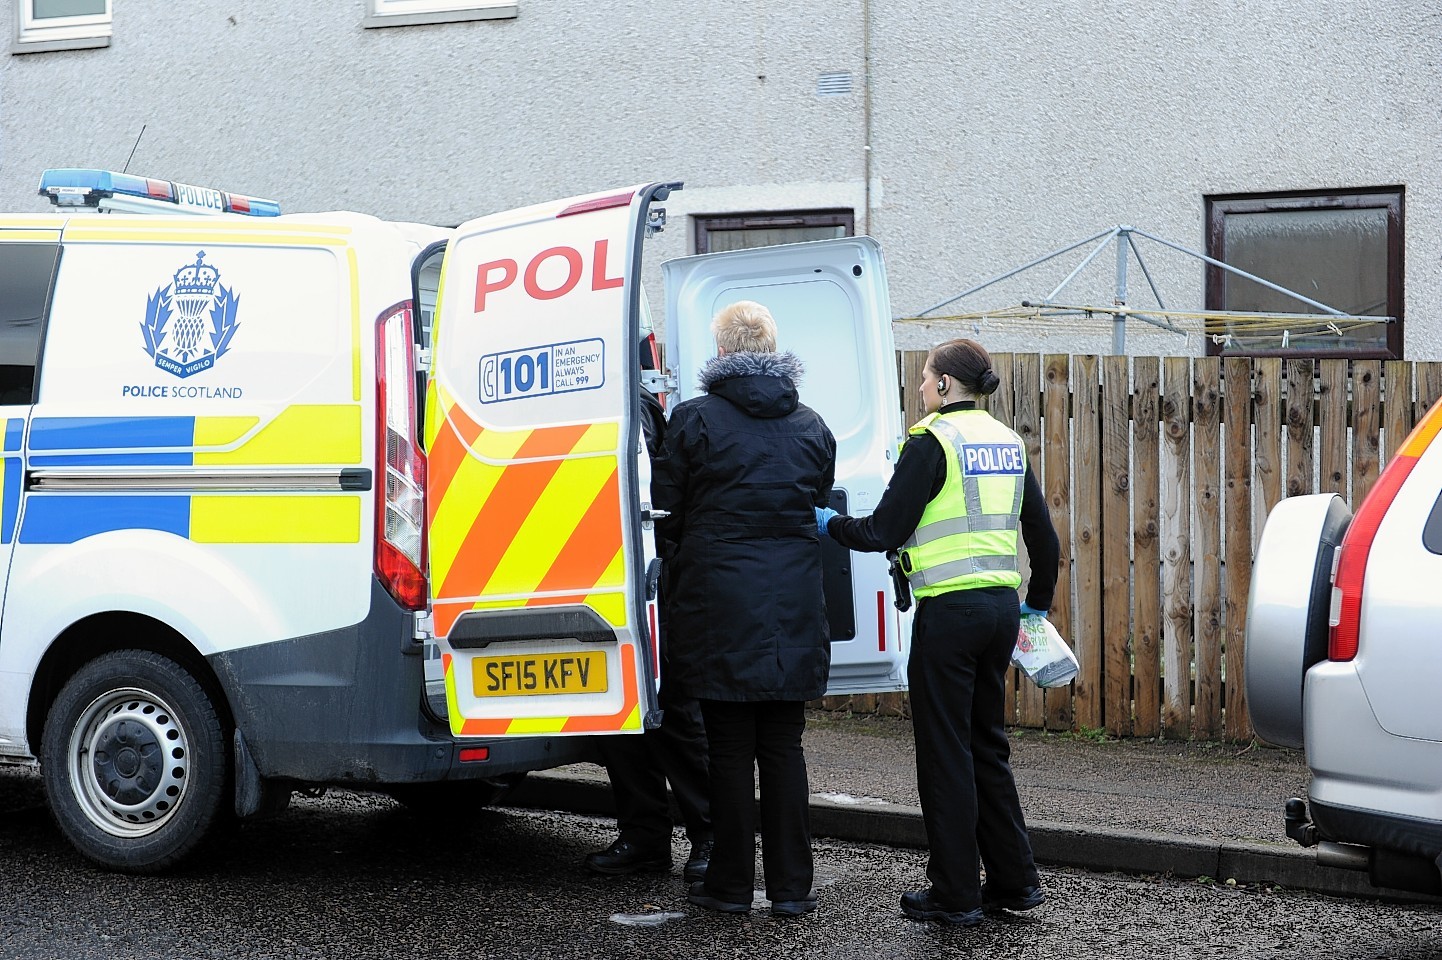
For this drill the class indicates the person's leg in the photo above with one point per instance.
(731, 735)
(942, 673)
(785, 820)
(643, 819)
(681, 744)
(1001, 828)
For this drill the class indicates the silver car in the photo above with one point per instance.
(1344, 658)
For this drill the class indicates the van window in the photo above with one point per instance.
(27, 273)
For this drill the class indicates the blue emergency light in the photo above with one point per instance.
(80, 189)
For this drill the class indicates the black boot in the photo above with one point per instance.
(626, 857)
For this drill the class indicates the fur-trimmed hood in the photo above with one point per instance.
(762, 384)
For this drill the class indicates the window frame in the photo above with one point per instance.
(57, 252)
(703, 224)
(1392, 199)
(38, 34)
(405, 13)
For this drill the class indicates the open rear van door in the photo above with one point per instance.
(832, 310)
(539, 549)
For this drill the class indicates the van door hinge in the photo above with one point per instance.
(650, 516)
(654, 381)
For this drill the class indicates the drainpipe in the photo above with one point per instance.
(866, 110)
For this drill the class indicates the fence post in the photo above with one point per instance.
(1207, 547)
(1366, 426)
(1086, 527)
(1116, 546)
(1176, 478)
(1056, 480)
(1146, 547)
(1300, 394)
(1267, 389)
(1026, 371)
(1237, 517)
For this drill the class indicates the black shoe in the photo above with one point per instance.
(701, 898)
(1022, 898)
(793, 908)
(919, 905)
(626, 857)
(697, 863)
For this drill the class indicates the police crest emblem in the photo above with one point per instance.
(189, 322)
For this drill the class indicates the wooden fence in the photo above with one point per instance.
(1160, 473)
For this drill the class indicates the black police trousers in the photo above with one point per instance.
(961, 643)
(639, 767)
(744, 738)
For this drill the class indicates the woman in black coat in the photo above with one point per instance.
(741, 471)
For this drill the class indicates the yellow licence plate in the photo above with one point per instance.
(539, 674)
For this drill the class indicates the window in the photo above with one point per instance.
(27, 272)
(402, 13)
(734, 231)
(61, 25)
(1340, 249)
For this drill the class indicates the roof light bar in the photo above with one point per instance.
(108, 190)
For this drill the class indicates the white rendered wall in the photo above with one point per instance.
(999, 131)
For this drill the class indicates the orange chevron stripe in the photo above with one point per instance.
(501, 516)
(579, 598)
(628, 700)
(592, 546)
(444, 458)
(485, 728)
(445, 614)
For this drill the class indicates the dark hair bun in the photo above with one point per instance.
(988, 383)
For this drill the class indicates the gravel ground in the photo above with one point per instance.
(355, 876)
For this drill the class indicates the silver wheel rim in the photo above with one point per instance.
(129, 762)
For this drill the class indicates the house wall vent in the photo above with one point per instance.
(836, 84)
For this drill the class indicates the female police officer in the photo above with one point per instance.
(961, 490)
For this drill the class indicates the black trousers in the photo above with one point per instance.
(640, 766)
(744, 737)
(961, 643)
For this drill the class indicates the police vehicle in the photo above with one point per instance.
(298, 500)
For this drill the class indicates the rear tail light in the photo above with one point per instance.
(1346, 609)
(400, 556)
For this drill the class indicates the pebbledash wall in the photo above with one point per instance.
(974, 137)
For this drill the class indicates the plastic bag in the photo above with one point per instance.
(1042, 654)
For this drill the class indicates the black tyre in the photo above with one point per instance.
(135, 761)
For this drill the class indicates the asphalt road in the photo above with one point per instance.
(356, 876)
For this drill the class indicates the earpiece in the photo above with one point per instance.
(942, 384)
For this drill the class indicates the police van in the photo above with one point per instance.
(299, 500)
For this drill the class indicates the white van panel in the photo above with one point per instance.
(832, 310)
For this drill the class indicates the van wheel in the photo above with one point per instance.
(134, 761)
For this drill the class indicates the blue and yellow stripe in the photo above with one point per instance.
(313, 435)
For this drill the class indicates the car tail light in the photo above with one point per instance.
(1346, 617)
(400, 555)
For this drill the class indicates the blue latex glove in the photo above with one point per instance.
(1027, 608)
(823, 514)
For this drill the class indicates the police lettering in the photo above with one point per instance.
(197, 196)
(992, 458)
(552, 273)
(153, 390)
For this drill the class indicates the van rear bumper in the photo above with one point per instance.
(344, 706)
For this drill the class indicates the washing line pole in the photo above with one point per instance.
(1119, 319)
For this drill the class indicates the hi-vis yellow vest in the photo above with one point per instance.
(967, 534)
